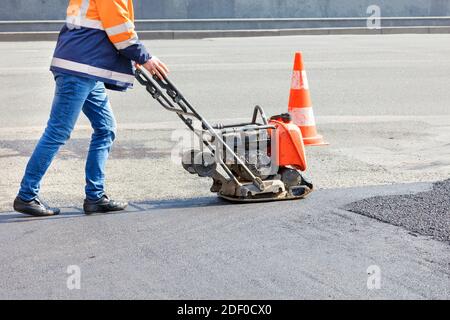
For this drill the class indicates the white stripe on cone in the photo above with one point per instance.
(299, 80)
(303, 117)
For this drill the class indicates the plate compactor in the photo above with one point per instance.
(262, 160)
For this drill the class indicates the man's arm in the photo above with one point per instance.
(120, 29)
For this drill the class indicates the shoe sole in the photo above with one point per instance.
(36, 214)
(106, 210)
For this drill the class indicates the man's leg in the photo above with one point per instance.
(70, 94)
(98, 110)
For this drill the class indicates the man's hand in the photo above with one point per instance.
(156, 66)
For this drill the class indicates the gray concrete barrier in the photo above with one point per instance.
(163, 17)
(206, 9)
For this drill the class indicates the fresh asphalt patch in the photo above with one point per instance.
(425, 213)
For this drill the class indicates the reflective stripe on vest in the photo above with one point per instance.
(75, 22)
(121, 28)
(87, 69)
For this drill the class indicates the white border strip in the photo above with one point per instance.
(87, 69)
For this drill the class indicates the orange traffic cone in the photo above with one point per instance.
(300, 105)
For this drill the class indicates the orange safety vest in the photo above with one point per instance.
(99, 41)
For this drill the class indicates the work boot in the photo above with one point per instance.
(34, 208)
(103, 205)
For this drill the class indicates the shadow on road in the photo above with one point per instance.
(14, 217)
(178, 203)
(134, 207)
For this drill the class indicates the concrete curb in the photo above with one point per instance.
(202, 34)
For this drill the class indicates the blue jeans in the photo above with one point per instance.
(73, 94)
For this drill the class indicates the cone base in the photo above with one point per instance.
(315, 141)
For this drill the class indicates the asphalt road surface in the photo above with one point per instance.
(382, 103)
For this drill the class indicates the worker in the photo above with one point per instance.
(95, 51)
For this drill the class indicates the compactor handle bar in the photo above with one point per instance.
(184, 110)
